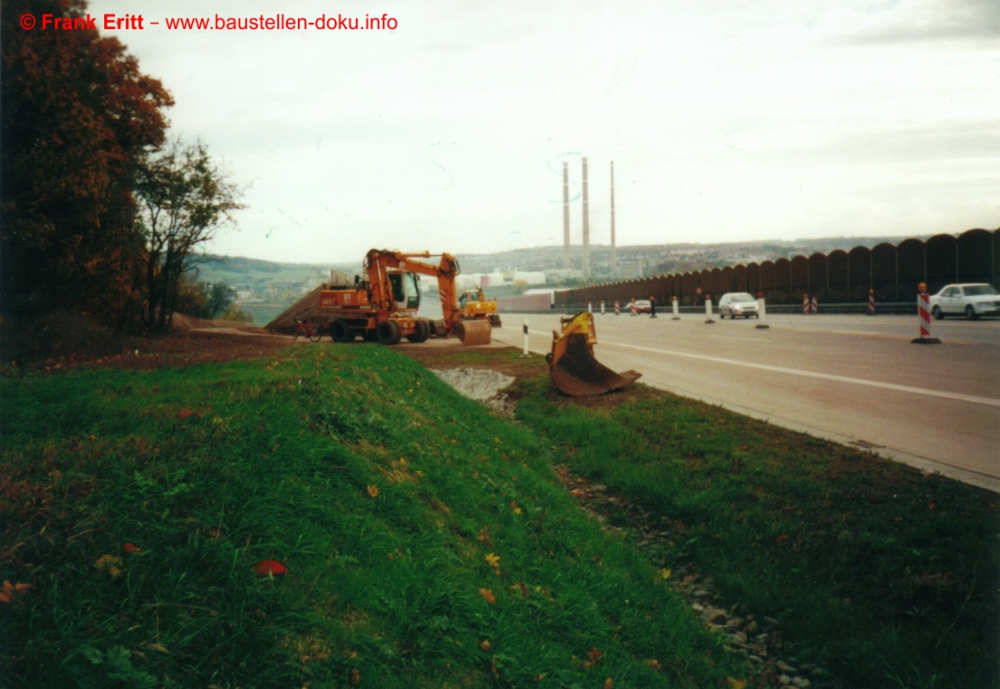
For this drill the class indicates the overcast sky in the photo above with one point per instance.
(726, 120)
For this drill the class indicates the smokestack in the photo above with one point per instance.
(614, 253)
(586, 226)
(566, 215)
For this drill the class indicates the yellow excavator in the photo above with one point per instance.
(475, 306)
(572, 366)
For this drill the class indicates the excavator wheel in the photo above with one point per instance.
(422, 330)
(340, 331)
(388, 332)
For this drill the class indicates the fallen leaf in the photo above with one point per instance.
(488, 596)
(736, 683)
(109, 563)
(130, 548)
(654, 663)
(665, 573)
(493, 560)
(609, 683)
(355, 677)
(373, 491)
(593, 654)
(272, 567)
(184, 413)
(931, 506)
(781, 539)
(484, 645)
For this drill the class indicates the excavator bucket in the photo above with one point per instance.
(572, 365)
(477, 332)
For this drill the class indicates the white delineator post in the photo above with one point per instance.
(677, 312)
(924, 312)
(590, 307)
(762, 311)
(602, 307)
(525, 337)
(618, 310)
(708, 309)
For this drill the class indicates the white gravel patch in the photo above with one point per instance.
(482, 385)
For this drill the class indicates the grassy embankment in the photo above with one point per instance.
(425, 541)
(882, 575)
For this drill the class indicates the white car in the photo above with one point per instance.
(972, 299)
(738, 304)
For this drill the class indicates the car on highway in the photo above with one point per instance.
(643, 306)
(969, 299)
(737, 305)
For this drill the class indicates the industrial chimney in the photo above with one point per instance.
(566, 262)
(614, 253)
(586, 226)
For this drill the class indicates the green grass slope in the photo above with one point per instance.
(425, 541)
(883, 575)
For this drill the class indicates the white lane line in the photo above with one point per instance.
(989, 401)
(813, 374)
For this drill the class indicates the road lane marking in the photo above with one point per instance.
(989, 401)
(814, 374)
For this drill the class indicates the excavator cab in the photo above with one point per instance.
(572, 366)
(405, 292)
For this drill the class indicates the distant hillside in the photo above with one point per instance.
(266, 288)
(255, 274)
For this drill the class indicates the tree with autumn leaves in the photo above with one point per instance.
(83, 131)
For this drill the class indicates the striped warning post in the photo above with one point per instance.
(805, 303)
(871, 302)
(632, 307)
(676, 308)
(814, 305)
(618, 309)
(924, 311)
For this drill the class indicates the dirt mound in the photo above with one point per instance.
(184, 323)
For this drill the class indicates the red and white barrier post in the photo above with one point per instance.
(708, 309)
(805, 303)
(814, 305)
(924, 311)
(631, 307)
(618, 309)
(676, 308)
(871, 302)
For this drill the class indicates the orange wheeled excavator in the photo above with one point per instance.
(382, 304)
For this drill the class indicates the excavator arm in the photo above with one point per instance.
(379, 261)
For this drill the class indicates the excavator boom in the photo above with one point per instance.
(469, 332)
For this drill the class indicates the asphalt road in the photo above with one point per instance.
(853, 379)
